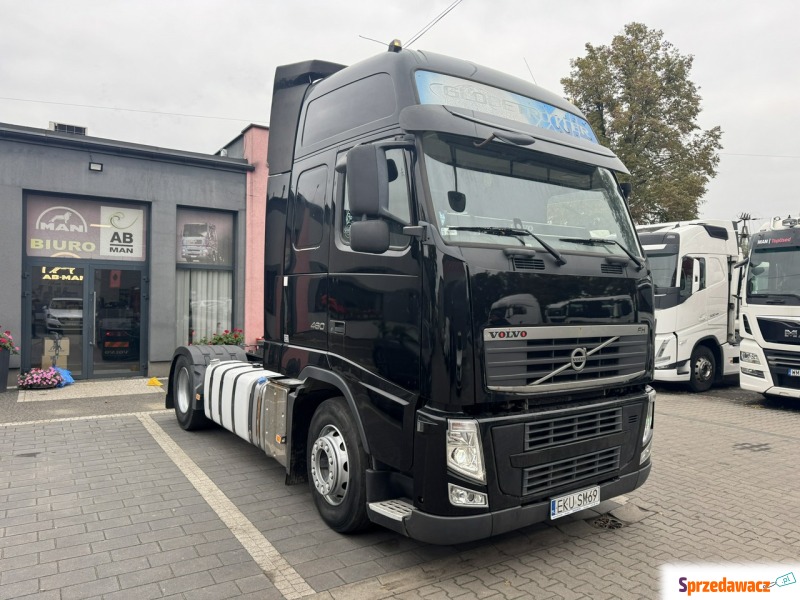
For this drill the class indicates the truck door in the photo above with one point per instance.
(694, 300)
(305, 283)
(374, 317)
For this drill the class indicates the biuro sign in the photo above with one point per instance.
(69, 228)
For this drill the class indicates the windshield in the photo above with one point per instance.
(195, 230)
(66, 304)
(664, 268)
(774, 273)
(505, 188)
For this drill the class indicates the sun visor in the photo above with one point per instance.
(461, 121)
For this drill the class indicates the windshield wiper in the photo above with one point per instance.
(516, 233)
(607, 242)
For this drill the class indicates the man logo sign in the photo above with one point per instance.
(61, 218)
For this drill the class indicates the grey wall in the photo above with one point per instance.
(156, 180)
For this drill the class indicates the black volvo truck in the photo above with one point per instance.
(458, 313)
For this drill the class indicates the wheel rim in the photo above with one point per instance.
(183, 395)
(330, 465)
(703, 369)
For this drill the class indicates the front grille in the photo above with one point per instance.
(563, 430)
(534, 360)
(779, 331)
(779, 365)
(541, 479)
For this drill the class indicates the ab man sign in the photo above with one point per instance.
(72, 228)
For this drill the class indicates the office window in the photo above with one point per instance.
(204, 274)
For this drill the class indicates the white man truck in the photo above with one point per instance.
(696, 283)
(770, 309)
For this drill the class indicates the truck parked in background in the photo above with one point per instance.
(696, 286)
(424, 215)
(770, 308)
(199, 243)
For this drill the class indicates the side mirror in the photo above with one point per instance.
(367, 180)
(369, 236)
(457, 200)
(625, 188)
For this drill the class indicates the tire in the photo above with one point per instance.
(336, 468)
(703, 367)
(183, 394)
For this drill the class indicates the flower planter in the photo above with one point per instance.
(38, 379)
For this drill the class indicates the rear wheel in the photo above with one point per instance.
(183, 393)
(703, 369)
(336, 467)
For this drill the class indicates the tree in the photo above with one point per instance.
(638, 98)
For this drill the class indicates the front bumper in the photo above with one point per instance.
(446, 530)
(677, 373)
(530, 458)
(770, 370)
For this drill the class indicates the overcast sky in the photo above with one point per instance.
(193, 73)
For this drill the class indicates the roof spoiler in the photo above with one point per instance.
(291, 84)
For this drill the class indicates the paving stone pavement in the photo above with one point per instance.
(93, 506)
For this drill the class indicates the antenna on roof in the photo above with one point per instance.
(529, 70)
(427, 27)
(363, 37)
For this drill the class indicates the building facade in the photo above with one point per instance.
(116, 253)
(251, 145)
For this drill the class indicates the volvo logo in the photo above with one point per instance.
(578, 359)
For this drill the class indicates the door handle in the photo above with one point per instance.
(93, 317)
(337, 327)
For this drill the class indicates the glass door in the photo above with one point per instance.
(57, 312)
(116, 332)
(87, 319)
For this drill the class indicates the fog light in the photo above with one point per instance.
(752, 372)
(463, 497)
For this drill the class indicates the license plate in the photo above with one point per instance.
(570, 503)
(794, 372)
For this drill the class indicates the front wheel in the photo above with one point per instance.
(703, 369)
(336, 467)
(183, 391)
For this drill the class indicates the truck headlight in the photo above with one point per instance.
(648, 422)
(665, 353)
(464, 450)
(749, 357)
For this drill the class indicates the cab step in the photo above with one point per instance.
(396, 509)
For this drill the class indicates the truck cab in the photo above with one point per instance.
(425, 218)
(696, 284)
(770, 351)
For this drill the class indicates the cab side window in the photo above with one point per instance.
(309, 208)
(399, 208)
